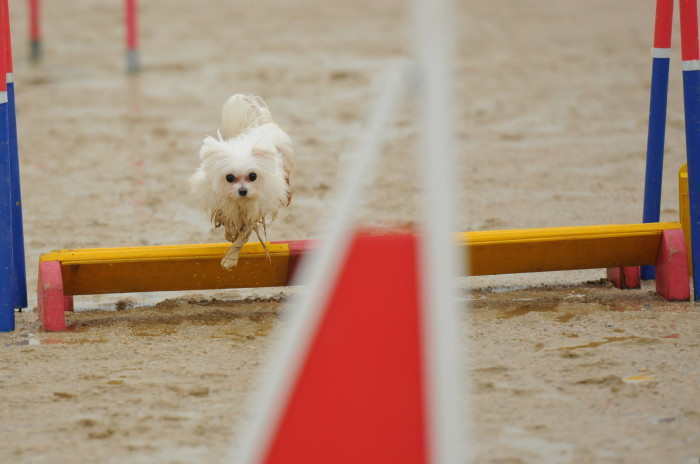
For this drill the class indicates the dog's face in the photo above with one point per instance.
(240, 185)
(238, 174)
(246, 175)
(238, 171)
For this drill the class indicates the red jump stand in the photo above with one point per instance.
(52, 302)
(672, 281)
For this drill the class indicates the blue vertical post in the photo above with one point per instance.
(7, 300)
(7, 310)
(20, 274)
(661, 57)
(691, 99)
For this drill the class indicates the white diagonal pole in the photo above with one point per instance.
(440, 266)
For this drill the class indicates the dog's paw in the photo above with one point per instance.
(229, 263)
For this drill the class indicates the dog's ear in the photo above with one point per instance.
(267, 155)
(286, 149)
(210, 147)
(277, 141)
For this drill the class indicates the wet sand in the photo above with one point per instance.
(551, 112)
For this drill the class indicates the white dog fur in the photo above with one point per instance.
(243, 179)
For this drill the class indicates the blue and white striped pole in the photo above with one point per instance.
(7, 310)
(691, 98)
(20, 274)
(661, 56)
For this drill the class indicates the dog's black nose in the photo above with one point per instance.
(243, 192)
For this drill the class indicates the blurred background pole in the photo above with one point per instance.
(132, 52)
(34, 30)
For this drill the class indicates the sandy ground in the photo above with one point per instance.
(551, 111)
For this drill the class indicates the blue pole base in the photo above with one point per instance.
(7, 310)
(691, 97)
(655, 147)
(20, 273)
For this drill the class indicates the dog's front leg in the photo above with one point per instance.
(237, 237)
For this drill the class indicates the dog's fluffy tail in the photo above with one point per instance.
(242, 112)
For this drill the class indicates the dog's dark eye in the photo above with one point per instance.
(252, 176)
(230, 178)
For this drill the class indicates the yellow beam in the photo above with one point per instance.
(166, 268)
(197, 267)
(562, 248)
(90, 255)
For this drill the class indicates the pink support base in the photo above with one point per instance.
(625, 277)
(671, 268)
(50, 298)
(672, 280)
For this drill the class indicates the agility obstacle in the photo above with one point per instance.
(619, 248)
(66, 273)
(130, 28)
(690, 54)
(13, 284)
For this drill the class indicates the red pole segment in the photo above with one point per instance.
(34, 32)
(689, 30)
(34, 29)
(343, 393)
(131, 29)
(3, 61)
(131, 17)
(8, 43)
(664, 22)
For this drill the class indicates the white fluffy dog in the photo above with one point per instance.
(243, 180)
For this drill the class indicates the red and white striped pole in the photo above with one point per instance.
(132, 52)
(34, 30)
